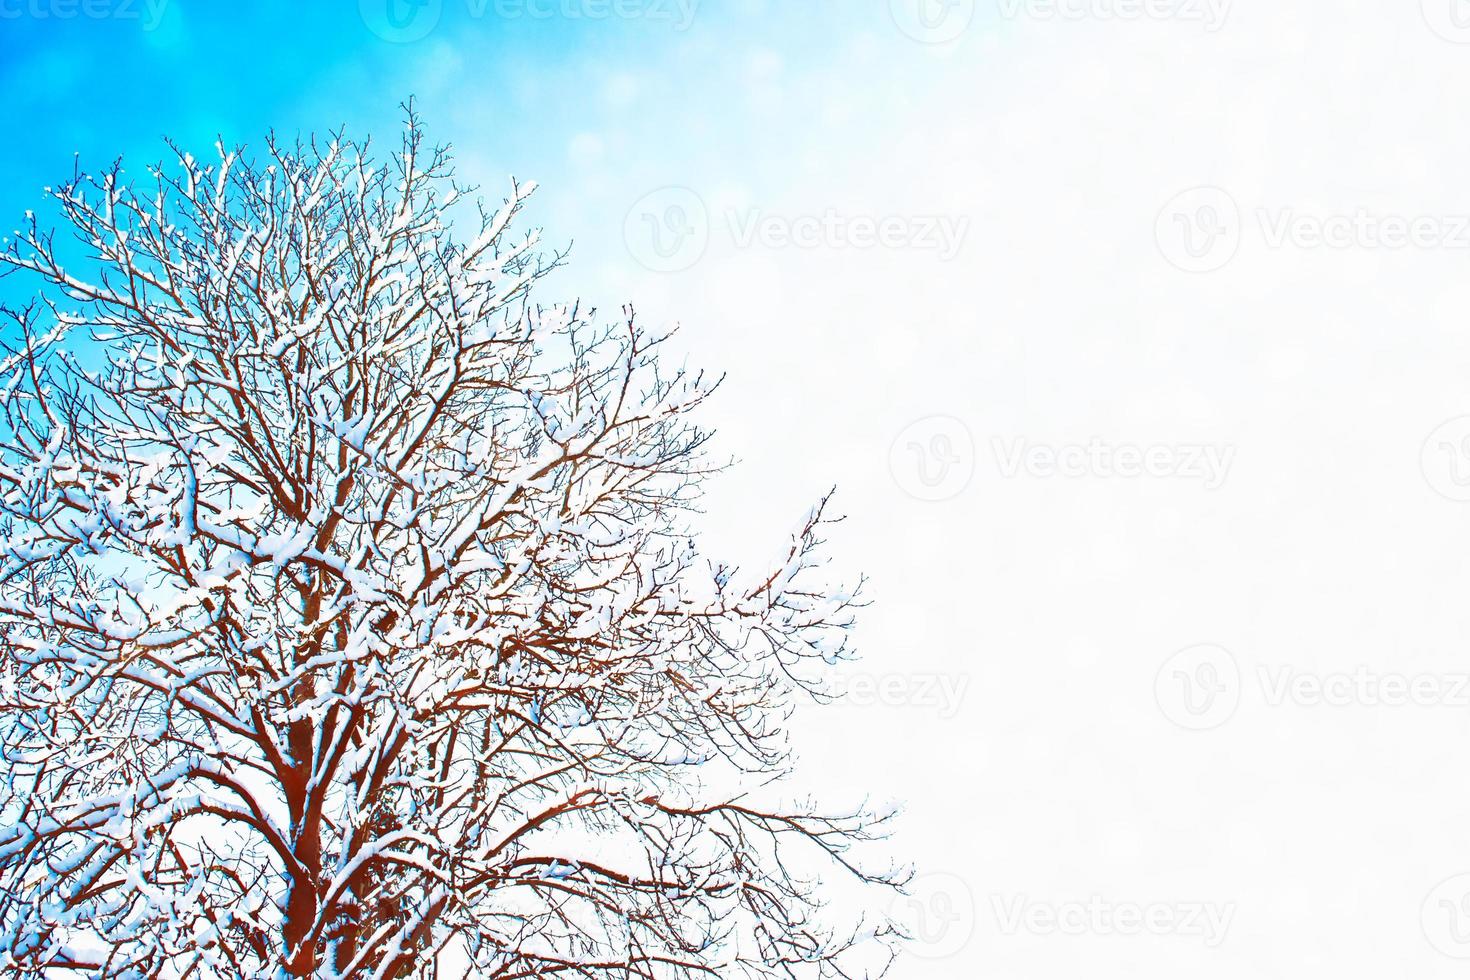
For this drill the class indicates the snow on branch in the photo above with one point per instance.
(348, 606)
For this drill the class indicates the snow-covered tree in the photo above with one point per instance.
(350, 611)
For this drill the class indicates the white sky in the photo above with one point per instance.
(1319, 832)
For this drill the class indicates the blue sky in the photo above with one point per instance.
(548, 89)
(599, 101)
(108, 85)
